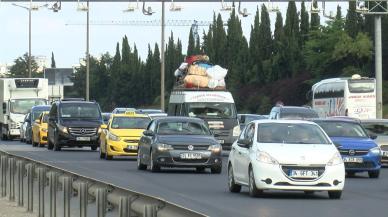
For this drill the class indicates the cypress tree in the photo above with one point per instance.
(191, 45)
(338, 15)
(53, 65)
(278, 60)
(265, 35)
(315, 19)
(354, 21)
(304, 24)
(292, 49)
(254, 54)
(219, 41)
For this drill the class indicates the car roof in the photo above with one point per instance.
(39, 107)
(374, 121)
(76, 102)
(335, 119)
(136, 115)
(296, 108)
(285, 121)
(177, 118)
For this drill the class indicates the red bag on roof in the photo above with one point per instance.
(195, 58)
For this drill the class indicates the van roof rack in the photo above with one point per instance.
(72, 99)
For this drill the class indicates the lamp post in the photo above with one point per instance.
(87, 52)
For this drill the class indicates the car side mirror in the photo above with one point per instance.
(245, 143)
(37, 121)
(373, 136)
(149, 133)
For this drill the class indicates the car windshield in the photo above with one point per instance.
(182, 128)
(211, 110)
(342, 129)
(291, 133)
(381, 129)
(80, 111)
(130, 122)
(23, 106)
(298, 115)
(249, 118)
(36, 113)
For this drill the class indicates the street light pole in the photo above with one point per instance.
(29, 40)
(162, 61)
(87, 52)
(378, 67)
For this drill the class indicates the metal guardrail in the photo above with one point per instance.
(106, 197)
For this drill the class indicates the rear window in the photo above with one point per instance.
(302, 114)
(381, 129)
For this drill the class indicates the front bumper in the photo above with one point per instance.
(121, 148)
(43, 137)
(14, 132)
(173, 158)
(66, 139)
(330, 178)
(369, 163)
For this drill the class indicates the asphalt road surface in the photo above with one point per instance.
(208, 193)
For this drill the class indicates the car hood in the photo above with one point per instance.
(127, 132)
(186, 139)
(354, 143)
(301, 154)
(81, 123)
(43, 125)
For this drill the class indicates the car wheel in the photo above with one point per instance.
(140, 166)
(102, 154)
(57, 147)
(216, 169)
(335, 194)
(93, 147)
(233, 187)
(107, 156)
(153, 166)
(374, 174)
(34, 144)
(253, 191)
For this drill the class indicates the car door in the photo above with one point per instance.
(245, 153)
(35, 128)
(237, 157)
(145, 143)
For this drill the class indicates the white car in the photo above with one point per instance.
(285, 155)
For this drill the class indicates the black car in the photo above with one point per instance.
(179, 142)
(74, 124)
(292, 112)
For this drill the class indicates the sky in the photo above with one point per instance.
(68, 42)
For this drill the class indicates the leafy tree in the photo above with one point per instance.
(20, 67)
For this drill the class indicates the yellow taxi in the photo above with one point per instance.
(120, 137)
(39, 130)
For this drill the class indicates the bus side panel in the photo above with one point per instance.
(326, 107)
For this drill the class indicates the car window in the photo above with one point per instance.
(182, 128)
(250, 132)
(291, 133)
(342, 129)
(381, 129)
(80, 111)
(130, 122)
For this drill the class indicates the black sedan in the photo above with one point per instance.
(179, 142)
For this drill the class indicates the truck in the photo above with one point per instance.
(17, 96)
(216, 107)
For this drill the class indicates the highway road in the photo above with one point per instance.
(208, 193)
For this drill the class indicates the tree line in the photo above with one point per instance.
(271, 66)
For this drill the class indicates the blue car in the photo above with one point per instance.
(359, 151)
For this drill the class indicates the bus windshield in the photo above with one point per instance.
(23, 106)
(361, 86)
(211, 110)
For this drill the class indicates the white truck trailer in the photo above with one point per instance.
(17, 96)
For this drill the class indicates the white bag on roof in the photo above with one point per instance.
(216, 72)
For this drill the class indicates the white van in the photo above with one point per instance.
(216, 107)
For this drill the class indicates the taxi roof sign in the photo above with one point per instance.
(130, 113)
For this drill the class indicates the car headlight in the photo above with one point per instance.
(335, 160)
(113, 137)
(215, 148)
(375, 151)
(63, 129)
(164, 147)
(236, 131)
(44, 130)
(266, 158)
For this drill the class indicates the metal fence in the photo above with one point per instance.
(38, 185)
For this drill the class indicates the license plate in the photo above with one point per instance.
(83, 139)
(352, 159)
(304, 173)
(191, 156)
(221, 141)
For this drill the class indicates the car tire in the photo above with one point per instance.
(34, 144)
(374, 174)
(140, 166)
(57, 147)
(39, 143)
(335, 194)
(93, 147)
(153, 166)
(233, 187)
(107, 156)
(216, 169)
(253, 191)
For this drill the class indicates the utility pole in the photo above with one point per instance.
(378, 68)
(29, 40)
(87, 52)
(162, 62)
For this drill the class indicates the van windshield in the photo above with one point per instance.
(80, 111)
(211, 110)
(23, 106)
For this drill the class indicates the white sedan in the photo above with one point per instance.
(285, 155)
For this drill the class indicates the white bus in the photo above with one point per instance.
(353, 97)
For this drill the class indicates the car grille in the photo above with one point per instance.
(353, 152)
(384, 147)
(221, 132)
(186, 147)
(180, 160)
(82, 131)
(287, 168)
(365, 165)
(131, 140)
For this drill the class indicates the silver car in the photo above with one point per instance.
(379, 127)
(23, 127)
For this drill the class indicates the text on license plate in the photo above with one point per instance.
(304, 173)
(191, 156)
(83, 138)
(353, 159)
(221, 141)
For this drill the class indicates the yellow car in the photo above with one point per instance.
(120, 137)
(39, 130)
